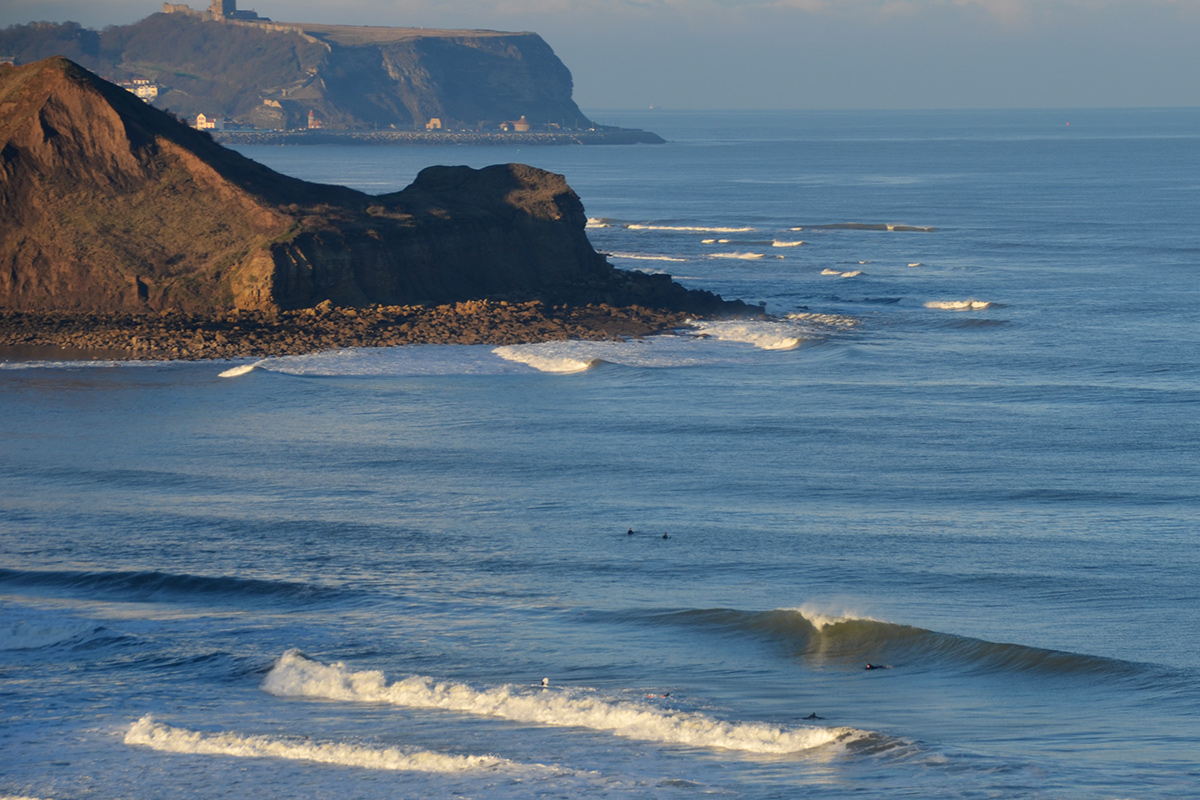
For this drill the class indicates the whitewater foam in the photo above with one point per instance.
(738, 255)
(763, 335)
(958, 305)
(645, 257)
(295, 675)
(854, 273)
(687, 228)
(543, 361)
(781, 243)
(241, 369)
(165, 738)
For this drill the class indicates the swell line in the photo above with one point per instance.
(150, 584)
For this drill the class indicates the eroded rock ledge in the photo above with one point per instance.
(180, 336)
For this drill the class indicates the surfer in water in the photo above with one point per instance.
(877, 666)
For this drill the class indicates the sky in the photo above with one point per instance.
(798, 54)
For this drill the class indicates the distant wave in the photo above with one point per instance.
(646, 257)
(157, 736)
(856, 640)
(687, 228)
(738, 255)
(142, 585)
(854, 273)
(835, 321)
(874, 226)
(959, 305)
(295, 675)
(779, 243)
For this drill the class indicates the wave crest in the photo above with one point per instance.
(295, 675)
(157, 736)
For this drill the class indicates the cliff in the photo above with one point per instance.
(271, 75)
(111, 205)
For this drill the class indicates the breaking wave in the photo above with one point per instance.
(853, 273)
(541, 359)
(241, 369)
(779, 243)
(738, 255)
(295, 675)
(157, 736)
(874, 226)
(645, 257)
(855, 640)
(597, 222)
(959, 305)
(687, 228)
(763, 335)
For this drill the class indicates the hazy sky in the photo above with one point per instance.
(800, 53)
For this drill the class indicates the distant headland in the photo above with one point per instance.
(240, 75)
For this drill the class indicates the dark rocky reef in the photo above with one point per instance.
(112, 206)
(271, 75)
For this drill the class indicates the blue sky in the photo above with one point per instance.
(800, 53)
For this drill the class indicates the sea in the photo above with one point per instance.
(963, 449)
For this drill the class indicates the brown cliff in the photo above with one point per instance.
(110, 205)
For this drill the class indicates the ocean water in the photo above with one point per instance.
(966, 450)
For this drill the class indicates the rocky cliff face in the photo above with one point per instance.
(272, 75)
(110, 205)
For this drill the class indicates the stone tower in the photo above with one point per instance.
(223, 8)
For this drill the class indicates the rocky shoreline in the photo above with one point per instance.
(179, 336)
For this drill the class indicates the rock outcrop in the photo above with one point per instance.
(109, 205)
(272, 75)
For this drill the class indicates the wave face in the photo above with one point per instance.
(857, 640)
(29, 629)
(165, 738)
(294, 675)
(151, 584)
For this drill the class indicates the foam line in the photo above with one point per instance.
(294, 675)
(687, 228)
(958, 305)
(738, 255)
(157, 736)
